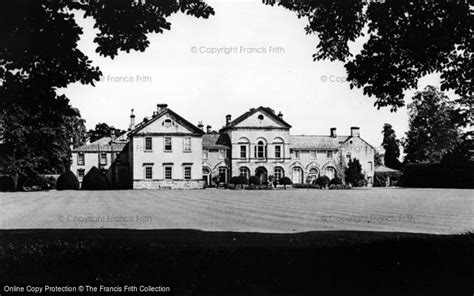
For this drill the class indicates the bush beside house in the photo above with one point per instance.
(95, 180)
(67, 181)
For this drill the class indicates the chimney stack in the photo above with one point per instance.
(132, 121)
(228, 118)
(209, 129)
(280, 115)
(161, 107)
(355, 131)
(333, 132)
(201, 126)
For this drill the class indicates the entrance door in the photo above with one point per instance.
(297, 176)
(206, 176)
(261, 173)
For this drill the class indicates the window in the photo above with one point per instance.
(187, 173)
(243, 151)
(117, 156)
(80, 174)
(80, 159)
(297, 154)
(244, 172)
(278, 173)
(205, 154)
(312, 175)
(370, 166)
(329, 154)
(221, 154)
(148, 172)
(168, 173)
(148, 144)
(313, 154)
(260, 117)
(277, 151)
(103, 158)
(261, 149)
(187, 144)
(168, 144)
(167, 123)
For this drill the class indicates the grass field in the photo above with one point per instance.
(438, 211)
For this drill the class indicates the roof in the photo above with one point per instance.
(317, 142)
(215, 141)
(104, 144)
(267, 110)
(177, 117)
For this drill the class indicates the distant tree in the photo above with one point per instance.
(392, 147)
(378, 158)
(354, 172)
(67, 181)
(103, 130)
(406, 40)
(434, 127)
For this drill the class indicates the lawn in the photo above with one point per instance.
(437, 211)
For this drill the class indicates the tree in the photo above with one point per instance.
(39, 54)
(354, 172)
(103, 130)
(434, 127)
(285, 181)
(378, 158)
(406, 41)
(392, 147)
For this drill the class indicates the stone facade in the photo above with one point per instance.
(167, 152)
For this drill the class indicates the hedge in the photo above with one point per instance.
(7, 183)
(435, 175)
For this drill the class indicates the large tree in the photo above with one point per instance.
(353, 174)
(406, 40)
(39, 54)
(434, 127)
(392, 147)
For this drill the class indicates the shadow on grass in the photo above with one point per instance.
(193, 262)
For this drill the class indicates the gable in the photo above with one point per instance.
(168, 122)
(261, 119)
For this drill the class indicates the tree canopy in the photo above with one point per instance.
(103, 130)
(406, 40)
(433, 127)
(39, 54)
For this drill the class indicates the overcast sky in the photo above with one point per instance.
(263, 58)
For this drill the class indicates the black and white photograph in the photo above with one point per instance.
(236, 147)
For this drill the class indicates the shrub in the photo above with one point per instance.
(95, 180)
(285, 181)
(333, 186)
(323, 181)
(336, 181)
(242, 180)
(306, 186)
(234, 180)
(254, 180)
(354, 172)
(7, 183)
(67, 181)
(362, 183)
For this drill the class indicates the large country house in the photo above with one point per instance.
(167, 151)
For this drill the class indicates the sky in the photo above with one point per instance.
(245, 56)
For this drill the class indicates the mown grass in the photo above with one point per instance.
(223, 263)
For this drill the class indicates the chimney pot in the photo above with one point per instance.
(161, 107)
(209, 129)
(280, 115)
(201, 126)
(333, 132)
(228, 119)
(132, 121)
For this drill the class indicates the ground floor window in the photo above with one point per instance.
(278, 173)
(244, 172)
(187, 173)
(168, 173)
(206, 176)
(330, 172)
(80, 174)
(148, 172)
(297, 175)
(313, 175)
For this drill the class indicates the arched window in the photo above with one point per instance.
(330, 172)
(244, 145)
(278, 143)
(278, 173)
(244, 171)
(261, 149)
(167, 122)
(312, 175)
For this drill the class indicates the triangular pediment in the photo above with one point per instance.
(259, 118)
(167, 122)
